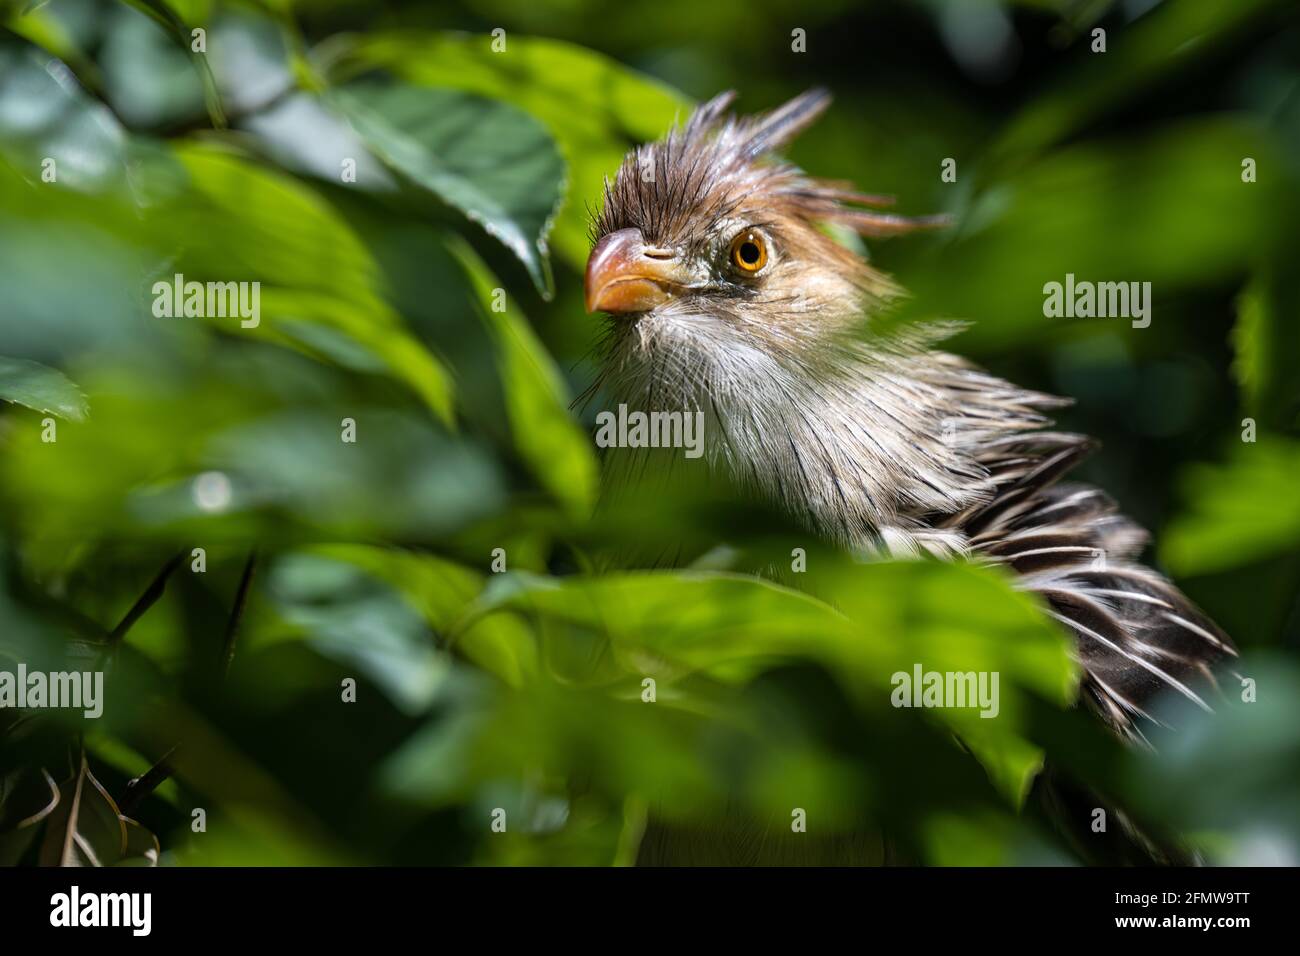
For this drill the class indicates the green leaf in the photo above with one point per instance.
(306, 319)
(134, 471)
(494, 163)
(170, 20)
(1251, 344)
(1266, 341)
(886, 619)
(351, 616)
(402, 478)
(1240, 511)
(439, 588)
(46, 115)
(544, 433)
(1056, 216)
(595, 107)
(442, 591)
(1176, 37)
(255, 224)
(148, 77)
(41, 388)
(76, 269)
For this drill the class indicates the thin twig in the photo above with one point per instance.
(146, 783)
(140, 788)
(237, 613)
(146, 600)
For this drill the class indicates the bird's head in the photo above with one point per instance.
(729, 297)
(706, 237)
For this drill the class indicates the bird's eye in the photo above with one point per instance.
(749, 251)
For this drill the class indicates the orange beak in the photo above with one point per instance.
(626, 275)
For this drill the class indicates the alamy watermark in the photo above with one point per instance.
(1102, 300)
(636, 429)
(133, 911)
(954, 689)
(76, 690)
(215, 300)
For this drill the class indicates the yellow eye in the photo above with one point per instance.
(749, 251)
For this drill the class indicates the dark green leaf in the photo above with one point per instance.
(494, 163)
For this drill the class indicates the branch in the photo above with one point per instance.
(145, 784)
(140, 788)
(237, 613)
(145, 601)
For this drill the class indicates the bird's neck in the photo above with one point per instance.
(860, 449)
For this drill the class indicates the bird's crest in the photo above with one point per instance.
(707, 168)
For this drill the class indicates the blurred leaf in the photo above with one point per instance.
(183, 455)
(1172, 38)
(249, 57)
(1102, 212)
(1266, 340)
(167, 16)
(401, 477)
(439, 588)
(46, 115)
(350, 616)
(896, 616)
(302, 133)
(494, 163)
(1231, 772)
(44, 27)
(1240, 511)
(41, 388)
(246, 220)
(1251, 345)
(253, 224)
(957, 841)
(148, 77)
(76, 273)
(370, 342)
(442, 591)
(549, 440)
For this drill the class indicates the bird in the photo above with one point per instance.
(726, 292)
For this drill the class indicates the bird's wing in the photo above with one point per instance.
(1137, 635)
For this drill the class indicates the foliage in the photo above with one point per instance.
(483, 686)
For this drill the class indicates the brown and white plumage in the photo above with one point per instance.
(882, 442)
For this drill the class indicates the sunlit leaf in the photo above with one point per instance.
(494, 163)
(545, 434)
(595, 107)
(254, 225)
(895, 617)
(41, 388)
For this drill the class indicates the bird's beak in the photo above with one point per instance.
(626, 275)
